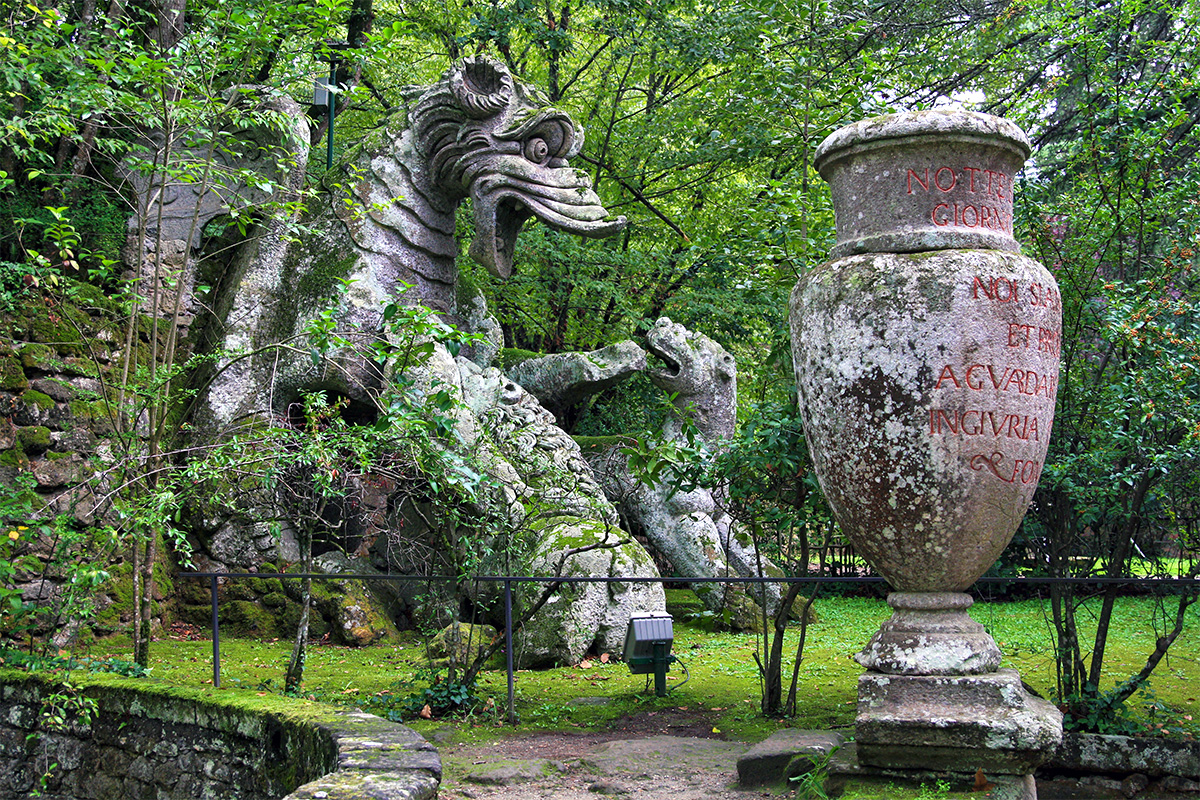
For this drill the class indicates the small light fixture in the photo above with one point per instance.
(648, 647)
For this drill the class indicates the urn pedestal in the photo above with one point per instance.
(926, 357)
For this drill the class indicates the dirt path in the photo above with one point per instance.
(653, 755)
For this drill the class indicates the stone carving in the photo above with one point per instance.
(477, 133)
(561, 380)
(926, 360)
(701, 375)
(559, 508)
(690, 529)
(204, 182)
(385, 231)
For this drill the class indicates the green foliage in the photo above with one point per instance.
(61, 711)
(444, 696)
(19, 659)
(811, 785)
(17, 529)
(1092, 711)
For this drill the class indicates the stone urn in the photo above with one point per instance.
(926, 358)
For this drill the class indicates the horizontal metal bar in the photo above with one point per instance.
(1174, 582)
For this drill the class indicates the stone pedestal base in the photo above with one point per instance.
(846, 773)
(930, 633)
(954, 722)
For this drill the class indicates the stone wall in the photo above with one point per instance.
(156, 742)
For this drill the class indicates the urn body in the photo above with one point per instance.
(927, 385)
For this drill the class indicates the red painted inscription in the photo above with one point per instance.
(992, 210)
(1008, 290)
(1044, 339)
(1023, 471)
(1007, 379)
(978, 422)
(987, 182)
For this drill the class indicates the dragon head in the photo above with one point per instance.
(487, 136)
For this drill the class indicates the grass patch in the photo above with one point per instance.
(724, 681)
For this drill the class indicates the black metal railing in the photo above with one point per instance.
(1176, 584)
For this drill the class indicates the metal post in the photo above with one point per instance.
(332, 112)
(216, 629)
(508, 651)
(660, 669)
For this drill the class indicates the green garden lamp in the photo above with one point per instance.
(648, 647)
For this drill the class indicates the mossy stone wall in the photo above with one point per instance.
(151, 741)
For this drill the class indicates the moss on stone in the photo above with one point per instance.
(37, 399)
(94, 414)
(509, 357)
(119, 588)
(12, 375)
(246, 618)
(80, 365)
(239, 590)
(35, 439)
(14, 457)
(88, 296)
(37, 356)
(58, 333)
(320, 279)
(265, 586)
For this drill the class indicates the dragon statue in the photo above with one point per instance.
(383, 233)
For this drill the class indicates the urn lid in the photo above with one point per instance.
(923, 180)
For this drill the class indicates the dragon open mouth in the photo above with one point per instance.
(504, 200)
(669, 367)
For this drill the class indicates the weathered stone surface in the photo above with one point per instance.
(561, 380)
(768, 761)
(1174, 783)
(642, 757)
(951, 722)
(930, 634)
(608, 787)
(570, 526)
(927, 403)
(579, 615)
(464, 640)
(1122, 755)
(478, 133)
(847, 773)
(702, 375)
(1134, 784)
(147, 742)
(509, 773)
(359, 616)
(691, 529)
(925, 180)
(1062, 788)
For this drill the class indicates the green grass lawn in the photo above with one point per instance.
(723, 682)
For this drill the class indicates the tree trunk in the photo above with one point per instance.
(295, 668)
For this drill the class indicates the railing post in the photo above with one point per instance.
(216, 635)
(508, 651)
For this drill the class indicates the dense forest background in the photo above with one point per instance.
(702, 120)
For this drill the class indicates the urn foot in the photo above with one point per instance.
(930, 633)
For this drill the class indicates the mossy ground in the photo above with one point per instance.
(724, 679)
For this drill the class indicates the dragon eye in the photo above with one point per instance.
(537, 151)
